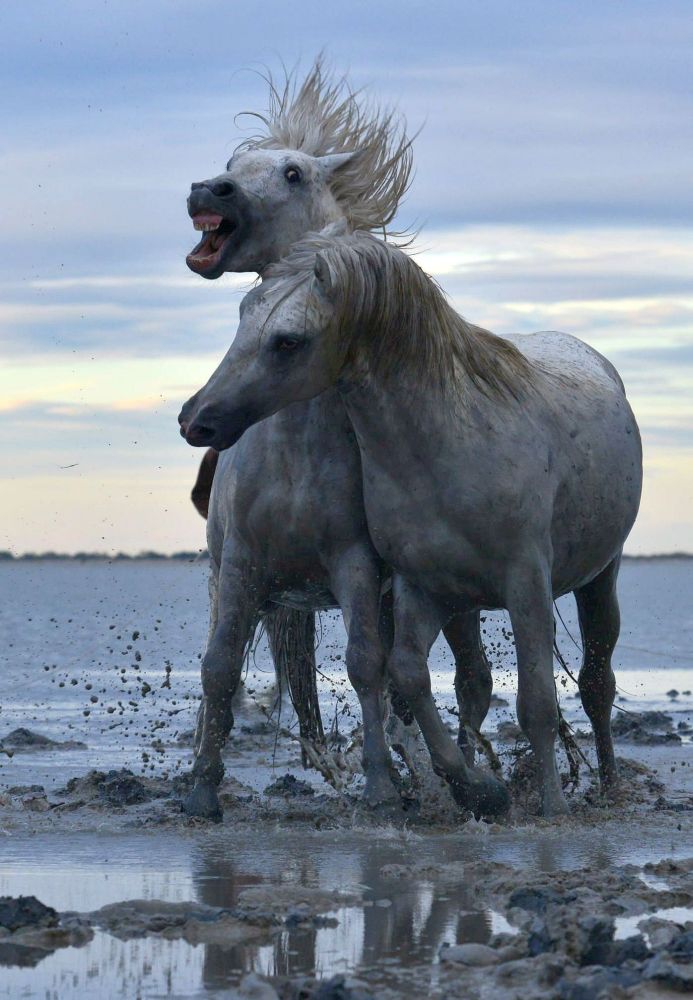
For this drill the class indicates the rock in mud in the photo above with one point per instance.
(122, 788)
(115, 788)
(536, 900)
(26, 911)
(469, 954)
(340, 988)
(598, 984)
(290, 787)
(674, 966)
(645, 728)
(30, 931)
(27, 739)
(195, 923)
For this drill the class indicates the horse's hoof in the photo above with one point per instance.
(482, 796)
(203, 802)
(555, 806)
(381, 797)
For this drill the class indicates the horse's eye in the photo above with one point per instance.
(286, 343)
(293, 175)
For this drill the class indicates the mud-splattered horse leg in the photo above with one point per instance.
(473, 680)
(418, 621)
(355, 582)
(233, 619)
(530, 604)
(600, 622)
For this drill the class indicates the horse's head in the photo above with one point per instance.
(266, 200)
(286, 349)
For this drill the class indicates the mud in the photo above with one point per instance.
(576, 932)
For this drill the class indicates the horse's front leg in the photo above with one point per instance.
(418, 620)
(232, 625)
(355, 582)
(530, 604)
(473, 679)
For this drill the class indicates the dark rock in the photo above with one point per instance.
(599, 939)
(646, 728)
(122, 788)
(539, 941)
(26, 911)
(27, 739)
(337, 988)
(633, 948)
(289, 786)
(682, 947)
(664, 805)
(673, 693)
(625, 722)
(536, 900)
(599, 983)
(26, 790)
(675, 970)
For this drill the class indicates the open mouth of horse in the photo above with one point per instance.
(217, 232)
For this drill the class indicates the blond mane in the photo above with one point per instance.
(324, 115)
(395, 317)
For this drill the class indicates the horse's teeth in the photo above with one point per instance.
(205, 227)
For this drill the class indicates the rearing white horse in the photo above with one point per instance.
(497, 473)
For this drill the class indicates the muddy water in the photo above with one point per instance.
(77, 633)
(397, 924)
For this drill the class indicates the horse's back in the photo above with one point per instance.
(567, 357)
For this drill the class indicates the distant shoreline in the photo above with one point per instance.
(202, 554)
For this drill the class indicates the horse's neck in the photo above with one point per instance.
(404, 420)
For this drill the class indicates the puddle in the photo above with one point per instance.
(625, 926)
(400, 923)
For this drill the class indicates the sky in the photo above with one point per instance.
(552, 191)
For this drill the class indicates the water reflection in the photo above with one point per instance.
(399, 923)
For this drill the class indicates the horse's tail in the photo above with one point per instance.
(203, 484)
(291, 638)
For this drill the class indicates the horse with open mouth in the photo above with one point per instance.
(497, 472)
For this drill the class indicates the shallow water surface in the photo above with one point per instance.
(401, 922)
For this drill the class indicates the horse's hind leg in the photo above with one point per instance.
(232, 624)
(530, 605)
(600, 622)
(473, 680)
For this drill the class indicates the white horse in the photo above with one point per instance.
(497, 473)
(286, 516)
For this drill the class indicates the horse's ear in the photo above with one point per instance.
(323, 276)
(332, 163)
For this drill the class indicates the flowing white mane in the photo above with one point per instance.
(324, 115)
(389, 312)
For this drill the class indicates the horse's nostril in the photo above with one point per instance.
(198, 434)
(222, 189)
